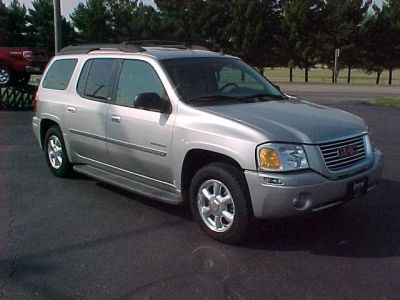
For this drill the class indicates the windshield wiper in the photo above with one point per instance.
(266, 95)
(215, 98)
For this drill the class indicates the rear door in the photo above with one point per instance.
(86, 115)
(139, 141)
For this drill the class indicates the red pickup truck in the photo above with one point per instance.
(18, 63)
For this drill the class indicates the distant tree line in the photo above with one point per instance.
(266, 33)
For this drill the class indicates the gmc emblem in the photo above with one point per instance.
(347, 151)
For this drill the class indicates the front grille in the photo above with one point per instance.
(343, 154)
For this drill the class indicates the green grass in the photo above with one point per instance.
(388, 101)
(358, 76)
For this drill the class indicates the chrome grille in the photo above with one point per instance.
(343, 154)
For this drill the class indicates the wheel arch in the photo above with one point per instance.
(45, 125)
(198, 158)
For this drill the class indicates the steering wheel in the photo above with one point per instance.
(228, 85)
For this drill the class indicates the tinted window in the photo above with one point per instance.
(83, 78)
(95, 78)
(137, 77)
(196, 78)
(59, 74)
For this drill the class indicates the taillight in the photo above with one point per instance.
(28, 55)
(35, 100)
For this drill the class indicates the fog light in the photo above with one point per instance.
(270, 180)
(302, 201)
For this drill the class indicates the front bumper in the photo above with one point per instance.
(317, 191)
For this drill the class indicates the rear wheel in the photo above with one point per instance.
(220, 203)
(5, 76)
(56, 153)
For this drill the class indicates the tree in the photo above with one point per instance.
(251, 31)
(132, 20)
(41, 26)
(343, 19)
(244, 28)
(93, 22)
(17, 24)
(304, 20)
(377, 42)
(184, 19)
(392, 9)
(3, 23)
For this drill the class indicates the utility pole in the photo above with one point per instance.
(57, 26)
(336, 72)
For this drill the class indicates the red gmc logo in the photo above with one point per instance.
(347, 151)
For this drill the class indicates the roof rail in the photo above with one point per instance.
(158, 43)
(167, 44)
(129, 46)
(85, 49)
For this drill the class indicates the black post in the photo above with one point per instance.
(57, 26)
(348, 73)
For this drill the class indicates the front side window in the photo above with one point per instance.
(210, 79)
(95, 79)
(137, 77)
(59, 74)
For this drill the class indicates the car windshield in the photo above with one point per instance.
(211, 79)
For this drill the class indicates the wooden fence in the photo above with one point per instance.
(17, 98)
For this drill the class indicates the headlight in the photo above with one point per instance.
(281, 157)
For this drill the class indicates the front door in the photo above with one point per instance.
(139, 141)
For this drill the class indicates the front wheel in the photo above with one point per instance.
(220, 203)
(56, 153)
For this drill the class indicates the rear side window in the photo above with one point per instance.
(59, 74)
(95, 79)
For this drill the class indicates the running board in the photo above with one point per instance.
(128, 184)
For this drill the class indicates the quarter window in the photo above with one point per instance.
(59, 74)
(95, 79)
(137, 77)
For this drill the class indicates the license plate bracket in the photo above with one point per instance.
(358, 187)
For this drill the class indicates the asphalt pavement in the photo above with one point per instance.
(79, 238)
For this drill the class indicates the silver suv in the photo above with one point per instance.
(192, 126)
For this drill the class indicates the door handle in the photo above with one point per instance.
(71, 109)
(116, 119)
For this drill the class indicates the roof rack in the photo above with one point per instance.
(85, 49)
(159, 43)
(168, 44)
(130, 46)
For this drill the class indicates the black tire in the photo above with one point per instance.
(5, 76)
(65, 167)
(234, 181)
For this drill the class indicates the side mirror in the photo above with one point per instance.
(152, 102)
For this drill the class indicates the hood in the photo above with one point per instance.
(293, 121)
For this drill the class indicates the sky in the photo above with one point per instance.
(67, 6)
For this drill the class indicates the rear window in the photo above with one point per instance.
(59, 74)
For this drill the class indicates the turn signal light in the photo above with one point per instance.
(268, 158)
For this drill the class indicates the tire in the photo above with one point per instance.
(222, 219)
(5, 76)
(56, 154)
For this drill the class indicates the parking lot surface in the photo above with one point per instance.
(79, 238)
